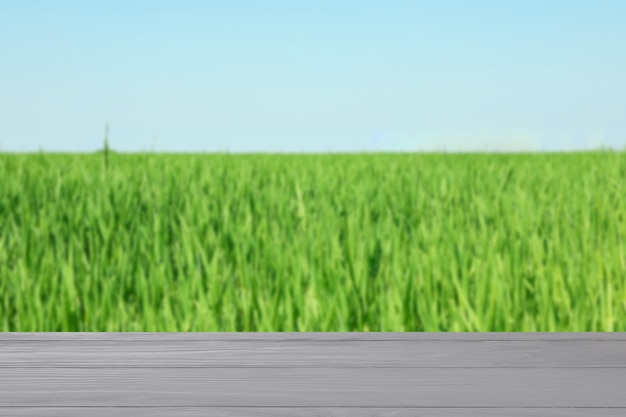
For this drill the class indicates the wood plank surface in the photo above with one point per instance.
(269, 387)
(307, 412)
(316, 354)
(313, 374)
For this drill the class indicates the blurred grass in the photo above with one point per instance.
(370, 242)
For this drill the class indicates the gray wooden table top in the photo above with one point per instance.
(313, 374)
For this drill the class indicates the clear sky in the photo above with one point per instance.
(312, 75)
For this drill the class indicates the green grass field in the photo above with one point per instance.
(378, 242)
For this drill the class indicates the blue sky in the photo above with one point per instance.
(312, 76)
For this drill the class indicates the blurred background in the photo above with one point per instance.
(312, 76)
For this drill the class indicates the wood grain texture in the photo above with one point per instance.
(309, 412)
(316, 354)
(356, 387)
(313, 374)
